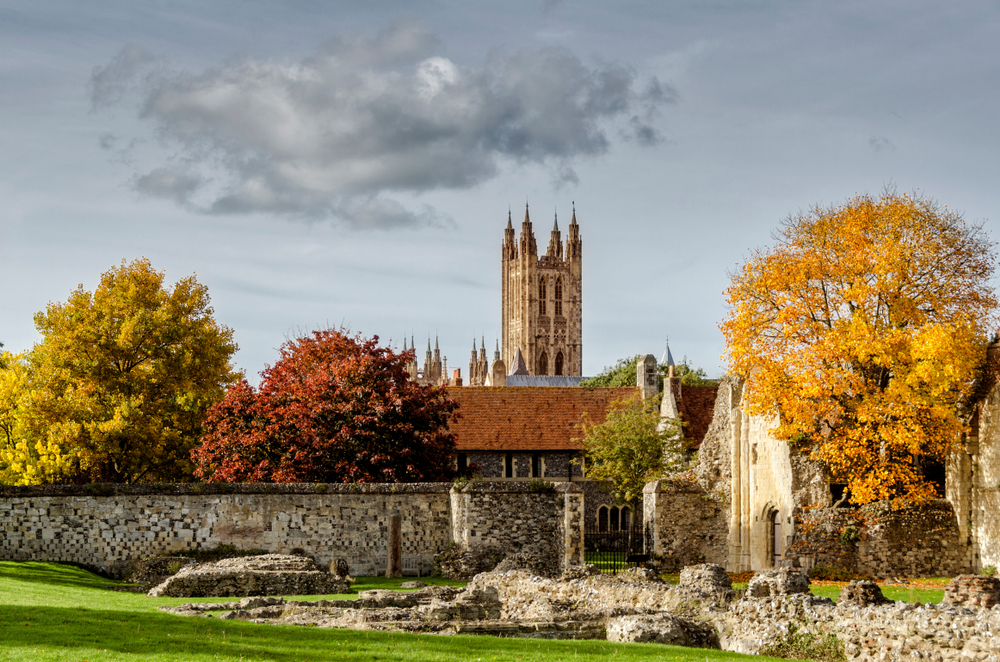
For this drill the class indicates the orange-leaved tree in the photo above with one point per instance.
(863, 327)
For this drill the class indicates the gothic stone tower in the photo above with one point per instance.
(542, 300)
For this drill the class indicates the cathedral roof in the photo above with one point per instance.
(528, 418)
(519, 367)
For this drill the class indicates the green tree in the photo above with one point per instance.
(631, 447)
(119, 385)
(689, 375)
(622, 373)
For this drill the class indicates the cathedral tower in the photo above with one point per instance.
(542, 300)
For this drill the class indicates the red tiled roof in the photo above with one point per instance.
(528, 418)
(697, 404)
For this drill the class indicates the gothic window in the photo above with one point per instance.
(614, 519)
(558, 296)
(542, 296)
(559, 363)
(602, 518)
(626, 518)
(543, 364)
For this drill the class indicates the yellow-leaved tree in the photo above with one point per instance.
(119, 385)
(863, 327)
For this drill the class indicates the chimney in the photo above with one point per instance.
(456, 377)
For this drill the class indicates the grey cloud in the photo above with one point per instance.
(109, 84)
(644, 134)
(107, 140)
(879, 143)
(368, 116)
(172, 183)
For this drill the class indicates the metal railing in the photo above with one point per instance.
(616, 550)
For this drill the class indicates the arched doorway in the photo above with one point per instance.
(774, 539)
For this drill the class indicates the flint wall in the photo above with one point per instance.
(106, 527)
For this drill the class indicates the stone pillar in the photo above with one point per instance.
(653, 501)
(646, 377)
(394, 566)
(573, 524)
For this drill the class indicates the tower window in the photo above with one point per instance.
(543, 364)
(559, 363)
(558, 297)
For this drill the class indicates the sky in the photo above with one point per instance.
(321, 164)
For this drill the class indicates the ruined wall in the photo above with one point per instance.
(916, 541)
(105, 527)
(516, 517)
(688, 525)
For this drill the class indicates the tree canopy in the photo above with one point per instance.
(863, 327)
(622, 373)
(119, 384)
(333, 408)
(631, 447)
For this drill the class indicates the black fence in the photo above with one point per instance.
(613, 551)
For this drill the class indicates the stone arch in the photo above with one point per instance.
(771, 518)
(559, 363)
(543, 364)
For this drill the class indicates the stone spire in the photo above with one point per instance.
(574, 247)
(496, 352)
(555, 242)
(509, 240)
(482, 349)
(528, 246)
(519, 367)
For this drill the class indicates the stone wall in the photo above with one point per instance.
(918, 541)
(688, 525)
(106, 527)
(520, 518)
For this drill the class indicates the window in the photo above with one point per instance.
(543, 364)
(559, 296)
(463, 461)
(536, 465)
(542, 296)
(614, 518)
(508, 466)
(559, 363)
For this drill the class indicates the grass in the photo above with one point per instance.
(922, 590)
(53, 612)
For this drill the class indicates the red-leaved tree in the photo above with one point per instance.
(334, 408)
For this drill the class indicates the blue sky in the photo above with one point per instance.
(326, 163)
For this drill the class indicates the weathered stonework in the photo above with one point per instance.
(106, 527)
(689, 524)
(270, 574)
(916, 541)
(972, 591)
(521, 518)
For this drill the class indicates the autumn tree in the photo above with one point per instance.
(863, 327)
(118, 386)
(333, 408)
(631, 447)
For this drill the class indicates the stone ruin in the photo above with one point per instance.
(636, 606)
(267, 574)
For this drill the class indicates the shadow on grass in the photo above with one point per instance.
(52, 573)
(74, 632)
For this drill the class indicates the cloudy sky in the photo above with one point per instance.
(327, 163)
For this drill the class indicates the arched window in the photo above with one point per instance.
(614, 518)
(543, 364)
(543, 294)
(559, 363)
(626, 518)
(775, 538)
(602, 518)
(558, 296)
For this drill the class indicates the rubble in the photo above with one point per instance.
(268, 574)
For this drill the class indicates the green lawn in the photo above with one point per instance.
(60, 613)
(904, 593)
